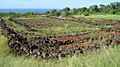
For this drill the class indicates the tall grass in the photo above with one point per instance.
(3, 44)
(105, 58)
(15, 26)
(109, 57)
(102, 16)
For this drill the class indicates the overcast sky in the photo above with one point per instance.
(51, 3)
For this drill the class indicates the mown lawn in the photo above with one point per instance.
(102, 16)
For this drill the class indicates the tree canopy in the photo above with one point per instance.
(112, 8)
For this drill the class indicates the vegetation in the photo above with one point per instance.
(12, 14)
(112, 8)
(101, 16)
(63, 27)
(13, 25)
(105, 58)
(3, 44)
(57, 27)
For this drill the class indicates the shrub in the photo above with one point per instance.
(86, 14)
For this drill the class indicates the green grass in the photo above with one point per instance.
(104, 58)
(75, 28)
(14, 26)
(57, 27)
(102, 16)
(3, 44)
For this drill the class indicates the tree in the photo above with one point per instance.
(93, 9)
(102, 8)
(57, 13)
(64, 13)
(66, 9)
(86, 13)
(52, 12)
(74, 11)
(112, 8)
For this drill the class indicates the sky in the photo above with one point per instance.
(51, 3)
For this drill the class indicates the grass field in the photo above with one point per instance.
(56, 27)
(102, 16)
(104, 58)
(3, 44)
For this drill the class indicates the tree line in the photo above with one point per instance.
(112, 8)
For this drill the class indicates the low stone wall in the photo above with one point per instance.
(44, 47)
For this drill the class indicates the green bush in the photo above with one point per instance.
(86, 14)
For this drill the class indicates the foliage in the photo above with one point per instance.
(104, 58)
(93, 9)
(112, 8)
(13, 14)
(86, 13)
(64, 13)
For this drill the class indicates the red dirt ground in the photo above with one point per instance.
(64, 39)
